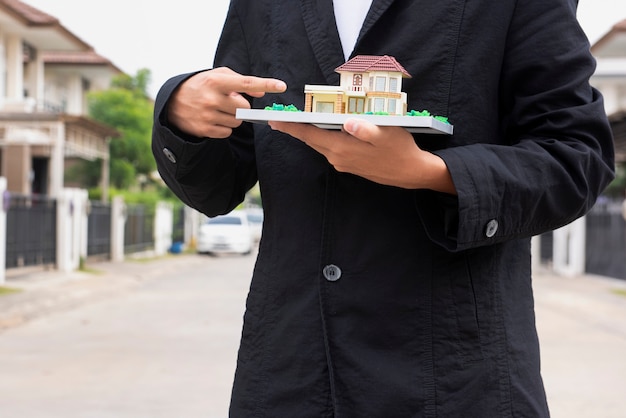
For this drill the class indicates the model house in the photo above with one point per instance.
(369, 84)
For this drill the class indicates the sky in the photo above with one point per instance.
(174, 37)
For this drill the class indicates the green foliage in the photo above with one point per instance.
(123, 173)
(417, 113)
(427, 113)
(139, 83)
(617, 188)
(86, 173)
(282, 108)
(150, 197)
(8, 290)
(127, 108)
(150, 193)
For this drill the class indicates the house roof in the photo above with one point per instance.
(73, 120)
(37, 27)
(613, 43)
(28, 14)
(77, 58)
(366, 63)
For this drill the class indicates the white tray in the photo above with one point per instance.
(415, 124)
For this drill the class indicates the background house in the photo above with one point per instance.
(610, 79)
(597, 243)
(43, 107)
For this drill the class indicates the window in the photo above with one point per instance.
(379, 105)
(357, 80)
(325, 107)
(393, 85)
(356, 105)
(381, 83)
(392, 106)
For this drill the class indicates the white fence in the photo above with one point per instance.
(72, 228)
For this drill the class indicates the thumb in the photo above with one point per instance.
(361, 129)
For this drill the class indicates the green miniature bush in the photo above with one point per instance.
(416, 113)
(283, 108)
(427, 113)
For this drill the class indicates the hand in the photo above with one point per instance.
(205, 104)
(385, 155)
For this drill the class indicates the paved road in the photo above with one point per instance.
(165, 348)
(582, 329)
(164, 342)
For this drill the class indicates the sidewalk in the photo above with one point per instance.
(41, 292)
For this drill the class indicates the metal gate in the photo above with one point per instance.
(606, 240)
(99, 230)
(178, 228)
(139, 228)
(546, 247)
(31, 231)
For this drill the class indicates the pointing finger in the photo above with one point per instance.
(229, 81)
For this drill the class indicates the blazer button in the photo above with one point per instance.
(169, 155)
(492, 228)
(332, 273)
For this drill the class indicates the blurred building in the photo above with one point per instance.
(47, 73)
(610, 79)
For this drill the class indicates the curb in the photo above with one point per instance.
(45, 292)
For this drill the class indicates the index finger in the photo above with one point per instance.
(250, 84)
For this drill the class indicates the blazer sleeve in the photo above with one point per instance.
(556, 153)
(210, 175)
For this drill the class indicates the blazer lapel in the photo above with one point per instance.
(319, 22)
(376, 11)
(321, 28)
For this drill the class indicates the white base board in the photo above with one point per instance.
(414, 124)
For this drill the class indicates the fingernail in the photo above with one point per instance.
(280, 85)
(351, 126)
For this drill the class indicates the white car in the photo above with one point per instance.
(255, 219)
(229, 233)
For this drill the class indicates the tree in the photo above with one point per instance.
(126, 107)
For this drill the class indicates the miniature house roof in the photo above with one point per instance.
(366, 63)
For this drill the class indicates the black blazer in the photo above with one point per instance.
(432, 314)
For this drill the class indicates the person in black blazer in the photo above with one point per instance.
(394, 275)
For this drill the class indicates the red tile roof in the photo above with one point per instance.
(35, 18)
(612, 43)
(620, 26)
(28, 14)
(365, 63)
(90, 57)
(74, 57)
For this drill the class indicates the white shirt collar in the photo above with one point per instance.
(349, 17)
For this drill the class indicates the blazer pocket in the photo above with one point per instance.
(465, 307)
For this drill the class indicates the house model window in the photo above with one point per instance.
(368, 83)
